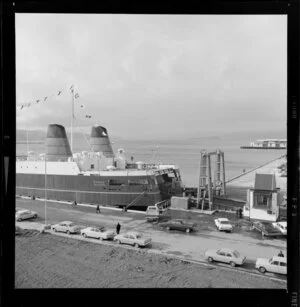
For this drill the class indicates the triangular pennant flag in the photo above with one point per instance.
(76, 96)
(45, 98)
(59, 92)
(37, 101)
(72, 88)
(22, 106)
(82, 106)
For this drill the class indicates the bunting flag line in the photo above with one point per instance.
(49, 97)
(45, 98)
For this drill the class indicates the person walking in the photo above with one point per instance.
(280, 254)
(118, 227)
(98, 209)
(241, 212)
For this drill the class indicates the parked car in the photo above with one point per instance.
(266, 229)
(98, 232)
(275, 265)
(178, 225)
(281, 226)
(226, 255)
(25, 215)
(223, 224)
(66, 226)
(132, 238)
(18, 231)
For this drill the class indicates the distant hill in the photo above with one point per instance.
(40, 136)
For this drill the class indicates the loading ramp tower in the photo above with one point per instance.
(206, 187)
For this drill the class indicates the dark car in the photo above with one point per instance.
(266, 229)
(178, 225)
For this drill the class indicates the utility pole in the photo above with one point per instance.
(46, 187)
(72, 116)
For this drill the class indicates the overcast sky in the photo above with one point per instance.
(154, 75)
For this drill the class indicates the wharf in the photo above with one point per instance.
(246, 180)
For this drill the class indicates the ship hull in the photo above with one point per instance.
(85, 189)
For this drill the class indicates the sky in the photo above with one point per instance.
(153, 76)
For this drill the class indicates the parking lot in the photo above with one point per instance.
(190, 246)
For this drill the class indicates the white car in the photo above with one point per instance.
(98, 232)
(25, 215)
(132, 238)
(223, 224)
(282, 226)
(66, 226)
(226, 255)
(275, 265)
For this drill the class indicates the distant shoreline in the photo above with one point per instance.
(30, 142)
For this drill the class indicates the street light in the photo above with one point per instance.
(46, 187)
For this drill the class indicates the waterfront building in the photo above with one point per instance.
(264, 199)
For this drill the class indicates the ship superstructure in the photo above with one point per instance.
(267, 144)
(97, 176)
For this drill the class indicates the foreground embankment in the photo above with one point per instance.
(50, 261)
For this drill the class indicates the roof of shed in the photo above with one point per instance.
(266, 182)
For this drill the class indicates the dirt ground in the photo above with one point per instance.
(49, 261)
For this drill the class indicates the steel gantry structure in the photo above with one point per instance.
(206, 187)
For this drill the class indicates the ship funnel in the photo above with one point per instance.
(100, 141)
(58, 148)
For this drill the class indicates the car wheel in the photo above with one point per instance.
(187, 230)
(136, 245)
(232, 264)
(118, 241)
(168, 228)
(54, 229)
(210, 259)
(19, 220)
(100, 238)
(262, 269)
(83, 234)
(35, 216)
(68, 232)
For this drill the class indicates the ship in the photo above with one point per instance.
(267, 144)
(97, 176)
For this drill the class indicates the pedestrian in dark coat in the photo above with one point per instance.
(98, 209)
(74, 203)
(118, 227)
(281, 254)
(241, 213)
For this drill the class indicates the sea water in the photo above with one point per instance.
(184, 152)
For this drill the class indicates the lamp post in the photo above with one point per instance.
(46, 187)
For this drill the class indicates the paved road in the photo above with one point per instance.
(191, 246)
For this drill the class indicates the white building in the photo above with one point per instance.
(263, 201)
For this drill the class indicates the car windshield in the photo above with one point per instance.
(224, 222)
(70, 225)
